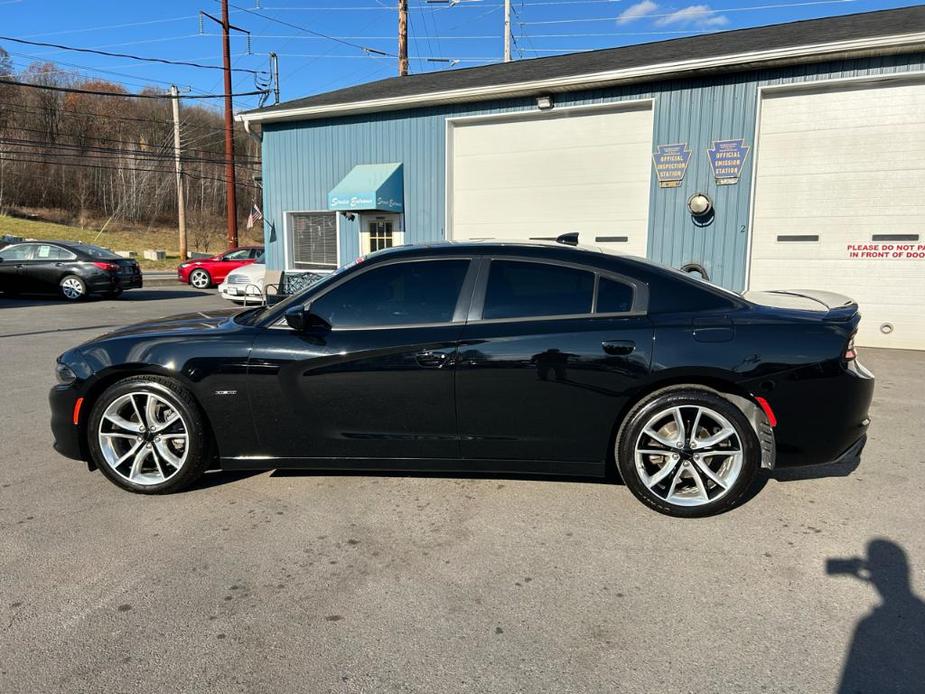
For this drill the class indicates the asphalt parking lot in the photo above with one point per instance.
(358, 583)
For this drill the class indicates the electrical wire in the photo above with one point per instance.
(130, 56)
(71, 90)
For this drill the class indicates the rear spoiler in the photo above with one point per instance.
(836, 306)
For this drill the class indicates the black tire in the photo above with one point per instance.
(689, 397)
(199, 451)
(73, 288)
(201, 273)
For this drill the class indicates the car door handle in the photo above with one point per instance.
(432, 360)
(618, 347)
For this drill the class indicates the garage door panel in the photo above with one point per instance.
(845, 166)
(549, 174)
(844, 109)
(612, 165)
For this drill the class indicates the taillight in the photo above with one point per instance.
(850, 351)
(108, 267)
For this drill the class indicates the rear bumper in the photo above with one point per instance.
(105, 282)
(822, 413)
(62, 400)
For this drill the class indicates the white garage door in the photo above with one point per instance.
(840, 203)
(541, 175)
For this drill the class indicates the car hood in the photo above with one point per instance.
(252, 271)
(201, 321)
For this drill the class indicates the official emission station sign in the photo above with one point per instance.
(671, 164)
(727, 157)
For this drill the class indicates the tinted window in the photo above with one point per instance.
(21, 252)
(46, 252)
(613, 297)
(670, 295)
(240, 254)
(520, 290)
(96, 251)
(398, 294)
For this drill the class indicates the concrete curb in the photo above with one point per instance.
(160, 279)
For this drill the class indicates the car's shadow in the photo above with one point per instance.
(131, 295)
(798, 474)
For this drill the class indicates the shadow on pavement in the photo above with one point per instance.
(887, 651)
(132, 295)
(447, 475)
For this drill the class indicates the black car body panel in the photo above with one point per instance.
(542, 394)
(46, 263)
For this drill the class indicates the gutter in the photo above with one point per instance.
(749, 60)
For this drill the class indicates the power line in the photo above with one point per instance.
(365, 49)
(3, 157)
(129, 56)
(71, 90)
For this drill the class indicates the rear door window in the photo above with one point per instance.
(519, 289)
(48, 252)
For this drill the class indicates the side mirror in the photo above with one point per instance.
(301, 319)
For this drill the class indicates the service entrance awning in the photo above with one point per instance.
(378, 187)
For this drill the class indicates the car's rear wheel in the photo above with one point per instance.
(147, 435)
(200, 279)
(73, 288)
(688, 452)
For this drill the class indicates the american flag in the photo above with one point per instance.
(255, 216)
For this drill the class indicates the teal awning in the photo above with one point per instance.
(378, 187)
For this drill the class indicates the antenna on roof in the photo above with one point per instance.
(569, 239)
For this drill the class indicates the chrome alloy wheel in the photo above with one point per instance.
(688, 455)
(72, 288)
(143, 438)
(199, 279)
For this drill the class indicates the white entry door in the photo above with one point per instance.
(542, 174)
(840, 202)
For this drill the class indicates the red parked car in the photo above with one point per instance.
(207, 272)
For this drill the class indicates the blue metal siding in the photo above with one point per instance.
(302, 161)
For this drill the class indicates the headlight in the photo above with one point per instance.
(64, 375)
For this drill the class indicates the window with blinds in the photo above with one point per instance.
(313, 238)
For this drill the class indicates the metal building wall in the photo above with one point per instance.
(302, 161)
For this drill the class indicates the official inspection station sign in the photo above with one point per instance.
(671, 164)
(727, 157)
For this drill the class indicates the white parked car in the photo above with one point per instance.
(245, 285)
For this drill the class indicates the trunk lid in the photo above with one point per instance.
(834, 306)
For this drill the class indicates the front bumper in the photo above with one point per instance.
(62, 400)
(240, 292)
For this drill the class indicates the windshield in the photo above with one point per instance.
(95, 251)
(261, 259)
(294, 299)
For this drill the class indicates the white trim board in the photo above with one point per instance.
(750, 59)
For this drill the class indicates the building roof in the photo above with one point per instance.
(805, 41)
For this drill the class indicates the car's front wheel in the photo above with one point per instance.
(147, 435)
(688, 452)
(200, 279)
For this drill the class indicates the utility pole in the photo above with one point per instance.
(230, 192)
(402, 38)
(274, 70)
(181, 194)
(507, 31)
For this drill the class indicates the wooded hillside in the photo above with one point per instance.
(98, 157)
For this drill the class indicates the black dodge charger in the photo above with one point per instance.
(73, 270)
(480, 357)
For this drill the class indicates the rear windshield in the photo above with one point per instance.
(95, 251)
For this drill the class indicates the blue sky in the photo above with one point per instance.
(467, 33)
